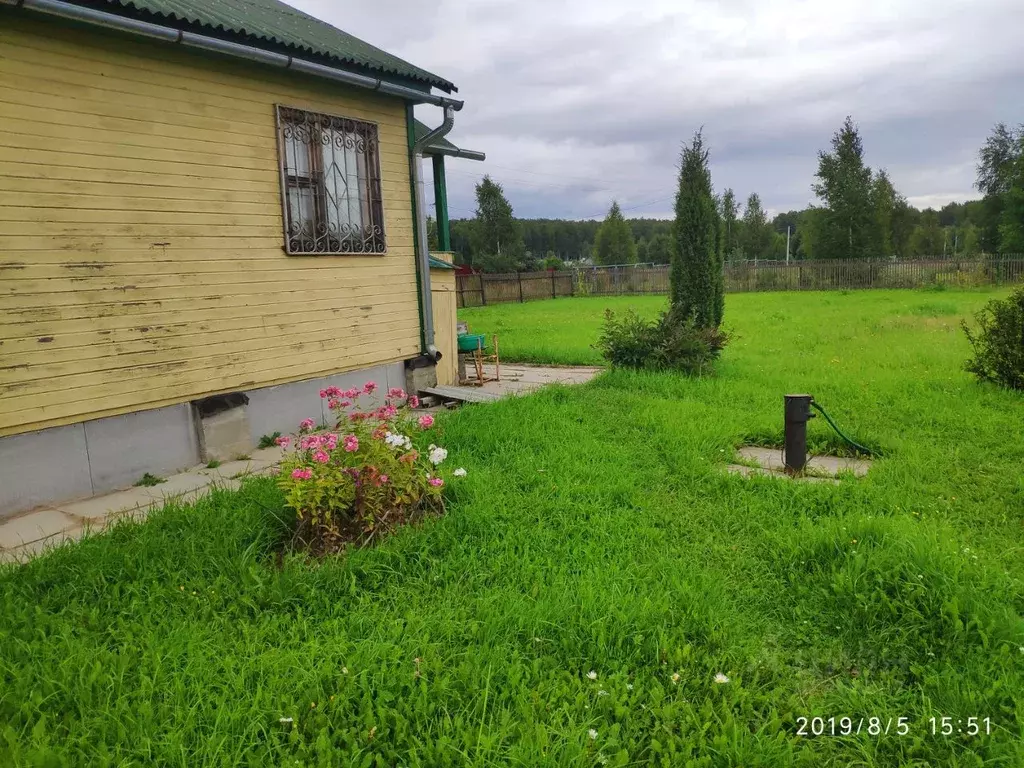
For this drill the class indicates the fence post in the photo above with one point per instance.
(520, 276)
(483, 291)
(461, 302)
(552, 283)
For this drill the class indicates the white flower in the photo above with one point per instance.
(395, 440)
(629, 686)
(675, 678)
(344, 670)
(286, 720)
(460, 472)
(721, 679)
(602, 693)
(592, 733)
(592, 675)
(437, 455)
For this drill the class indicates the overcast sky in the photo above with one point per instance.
(579, 102)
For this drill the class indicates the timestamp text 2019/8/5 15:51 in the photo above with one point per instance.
(898, 726)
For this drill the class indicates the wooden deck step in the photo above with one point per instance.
(462, 394)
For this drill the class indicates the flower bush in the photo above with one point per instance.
(367, 475)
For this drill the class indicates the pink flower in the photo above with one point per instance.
(369, 387)
(332, 404)
(384, 479)
(331, 441)
(358, 416)
(351, 443)
(437, 482)
(311, 441)
(306, 424)
(302, 474)
(323, 394)
(351, 394)
(414, 402)
(426, 421)
(344, 403)
(284, 442)
(397, 392)
(321, 457)
(385, 412)
(332, 391)
(380, 432)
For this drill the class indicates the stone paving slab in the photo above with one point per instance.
(32, 549)
(522, 379)
(232, 470)
(177, 485)
(34, 526)
(99, 508)
(771, 459)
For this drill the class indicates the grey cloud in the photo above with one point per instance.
(577, 102)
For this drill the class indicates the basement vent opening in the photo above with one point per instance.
(211, 406)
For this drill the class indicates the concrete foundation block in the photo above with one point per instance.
(419, 379)
(38, 467)
(225, 436)
(124, 448)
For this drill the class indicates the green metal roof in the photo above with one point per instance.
(271, 25)
(436, 263)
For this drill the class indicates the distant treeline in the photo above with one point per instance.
(860, 215)
(957, 228)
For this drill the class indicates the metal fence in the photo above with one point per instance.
(840, 274)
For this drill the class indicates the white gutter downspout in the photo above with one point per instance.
(415, 158)
(238, 50)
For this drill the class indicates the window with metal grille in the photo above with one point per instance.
(330, 180)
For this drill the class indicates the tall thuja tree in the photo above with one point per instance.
(693, 278)
(848, 225)
(498, 237)
(614, 243)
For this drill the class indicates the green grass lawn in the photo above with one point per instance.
(594, 533)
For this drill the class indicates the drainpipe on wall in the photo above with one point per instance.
(423, 255)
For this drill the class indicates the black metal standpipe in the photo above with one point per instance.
(798, 412)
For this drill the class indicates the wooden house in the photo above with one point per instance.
(209, 210)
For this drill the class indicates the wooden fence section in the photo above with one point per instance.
(840, 274)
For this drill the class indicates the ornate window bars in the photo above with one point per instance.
(330, 180)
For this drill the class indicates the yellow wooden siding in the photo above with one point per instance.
(442, 294)
(141, 259)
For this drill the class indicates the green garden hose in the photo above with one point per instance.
(857, 446)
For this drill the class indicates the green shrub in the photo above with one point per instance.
(670, 343)
(999, 342)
